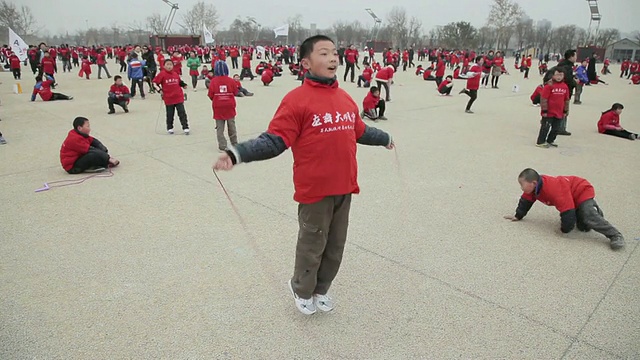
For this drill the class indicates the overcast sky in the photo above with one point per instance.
(69, 15)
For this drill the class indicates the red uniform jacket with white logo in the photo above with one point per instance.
(222, 92)
(171, 87)
(322, 136)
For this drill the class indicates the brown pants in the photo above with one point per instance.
(233, 133)
(321, 240)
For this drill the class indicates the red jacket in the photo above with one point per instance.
(609, 120)
(14, 61)
(43, 89)
(427, 73)
(267, 76)
(473, 83)
(385, 74)
(367, 73)
(171, 87)
(222, 92)
(557, 94)
(119, 91)
(635, 79)
(101, 59)
(440, 68)
(74, 146)
(443, 84)
(370, 102)
(537, 92)
(322, 136)
(350, 56)
(246, 61)
(564, 192)
(456, 73)
(48, 65)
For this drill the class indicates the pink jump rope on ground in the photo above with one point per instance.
(61, 183)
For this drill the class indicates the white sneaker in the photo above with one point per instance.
(305, 306)
(170, 131)
(186, 131)
(195, 90)
(323, 302)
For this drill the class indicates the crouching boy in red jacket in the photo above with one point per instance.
(323, 136)
(80, 152)
(572, 196)
(373, 107)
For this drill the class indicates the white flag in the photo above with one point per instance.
(282, 30)
(18, 46)
(208, 37)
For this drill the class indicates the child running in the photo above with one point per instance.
(609, 123)
(171, 86)
(323, 137)
(573, 197)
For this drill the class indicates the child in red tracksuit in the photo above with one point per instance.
(372, 106)
(222, 92)
(14, 64)
(242, 92)
(323, 184)
(554, 106)
(446, 86)
(366, 76)
(43, 88)
(172, 86)
(85, 68)
(609, 123)
(572, 196)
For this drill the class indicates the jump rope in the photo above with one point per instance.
(61, 183)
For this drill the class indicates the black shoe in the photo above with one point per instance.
(111, 112)
(125, 108)
(564, 133)
(617, 242)
(552, 144)
(577, 103)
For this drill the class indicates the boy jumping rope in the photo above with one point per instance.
(322, 136)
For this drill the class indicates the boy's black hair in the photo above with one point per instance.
(569, 53)
(38, 78)
(373, 89)
(614, 107)
(529, 175)
(116, 78)
(79, 121)
(167, 60)
(478, 58)
(449, 76)
(307, 45)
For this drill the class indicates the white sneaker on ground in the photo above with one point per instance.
(305, 306)
(323, 302)
(186, 131)
(170, 131)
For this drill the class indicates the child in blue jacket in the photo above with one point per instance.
(583, 80)
(135, 74)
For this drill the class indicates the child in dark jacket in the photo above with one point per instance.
(323, 184)
(609, 123)
(572, 196)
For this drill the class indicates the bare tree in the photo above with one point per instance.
(200, 14)
(155, 23)
(486, 38)
(397, 25)
(19, 19)
(582, 37)
(606, 36)
(503, 17)
(564, 37)
(458, 35)
(415, 31)
(296, 32)
(543, 32)
(524, 32)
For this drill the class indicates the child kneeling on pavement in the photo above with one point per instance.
(372, 106)
(573, 196)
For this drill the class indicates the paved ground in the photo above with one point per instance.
(152, 262)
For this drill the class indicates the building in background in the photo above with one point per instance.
(623, 49)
